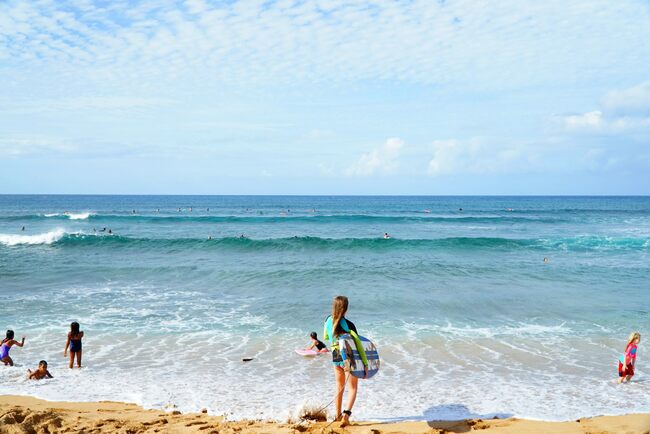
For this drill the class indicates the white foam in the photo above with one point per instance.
(79, 216)
(44, 238)
(71, 215)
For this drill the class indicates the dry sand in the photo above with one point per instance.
(20, 414)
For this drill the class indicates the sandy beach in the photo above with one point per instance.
(19, 414)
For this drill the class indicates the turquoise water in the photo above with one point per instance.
(468, 318)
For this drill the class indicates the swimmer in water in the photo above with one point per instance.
(315, 343)
(386, 236)
(110, 231)
(209, 237)
(545, 260)
(40, 372)
(23, 229)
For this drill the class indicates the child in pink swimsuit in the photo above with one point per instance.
(628, 360)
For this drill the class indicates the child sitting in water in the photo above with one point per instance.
(40, 372)
(320, 346)
(628, 359)
(6, 345)
(74, 343)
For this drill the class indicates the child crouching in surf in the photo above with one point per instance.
(627, 361)
(316, 344)
(40, 372)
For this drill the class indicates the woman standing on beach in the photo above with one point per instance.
(336, 325)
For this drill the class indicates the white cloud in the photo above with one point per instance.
(622, 111)
(598, 122)
(593, 119)
(477, 156)
(634, 101)
(380, 160)
(422, 41)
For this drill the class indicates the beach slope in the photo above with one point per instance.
(19, 414)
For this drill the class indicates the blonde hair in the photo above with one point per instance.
(633, 336)
(339, 308)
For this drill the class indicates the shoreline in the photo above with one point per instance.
(19, 414)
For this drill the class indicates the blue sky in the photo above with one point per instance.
(325, 97)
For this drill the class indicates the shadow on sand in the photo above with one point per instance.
(452, 418)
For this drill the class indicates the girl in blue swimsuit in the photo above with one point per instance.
(74, 344)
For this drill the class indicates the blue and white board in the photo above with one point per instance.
(352, 358)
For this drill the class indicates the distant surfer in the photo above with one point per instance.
(103, 230)
(315, 343)
(209, 237)
(460, 209)
(110, 231)
(336, 325)
(545, 260)
(23, 229)
(386, 236)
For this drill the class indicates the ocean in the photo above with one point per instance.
(468, 318)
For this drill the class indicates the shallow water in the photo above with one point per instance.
(468, 319)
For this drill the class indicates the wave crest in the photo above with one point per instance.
(45, 238)
(61, 238)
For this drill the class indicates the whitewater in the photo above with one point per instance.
(469, 319)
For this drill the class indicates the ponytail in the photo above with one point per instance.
(339, 308)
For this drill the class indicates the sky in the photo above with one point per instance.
(416, 97)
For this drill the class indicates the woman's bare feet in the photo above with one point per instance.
(345, 418)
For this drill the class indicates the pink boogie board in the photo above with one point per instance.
(308, 353)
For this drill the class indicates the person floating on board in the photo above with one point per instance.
(336, 325)
(6, 345)
(40, 372)
(627, 361)
(386, 236)
(74, 344)
(315, 343)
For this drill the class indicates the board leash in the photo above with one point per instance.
(303, 418)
